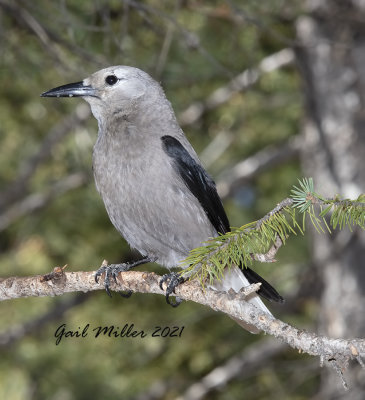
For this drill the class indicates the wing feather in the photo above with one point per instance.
(198, 181)
(203, 188)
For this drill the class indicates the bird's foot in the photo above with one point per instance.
(112, 271)
(172, 280)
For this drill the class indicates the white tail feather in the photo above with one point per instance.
(234, 279)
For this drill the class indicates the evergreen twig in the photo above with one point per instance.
(260, 240)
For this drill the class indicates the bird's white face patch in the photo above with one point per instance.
(129, 85)
(116, 88)
(131, 88)
(118, 83)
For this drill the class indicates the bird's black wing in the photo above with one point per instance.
(198, 181)
(203, 188)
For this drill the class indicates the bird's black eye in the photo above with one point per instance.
(111, 80)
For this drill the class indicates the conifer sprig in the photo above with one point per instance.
(260, 240)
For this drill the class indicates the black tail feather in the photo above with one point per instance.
(266, 290)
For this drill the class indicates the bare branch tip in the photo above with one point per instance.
(339, 369)
(360, 361)
(246, 291)
(56, 275)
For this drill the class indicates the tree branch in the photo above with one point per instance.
(250, 359)
(240, 82)
(37, 201)
(18, 189)
(338, 352)
(269, 157)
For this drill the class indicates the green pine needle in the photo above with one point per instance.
(239, 247)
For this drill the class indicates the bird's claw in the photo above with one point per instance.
(172, 280)
(112, 271)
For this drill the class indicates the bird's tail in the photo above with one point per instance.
(266, 290)
(236, 278)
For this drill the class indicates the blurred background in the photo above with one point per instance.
(267, 92)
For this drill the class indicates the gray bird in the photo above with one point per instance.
(155, 190)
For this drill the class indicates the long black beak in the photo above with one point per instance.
(77, 89)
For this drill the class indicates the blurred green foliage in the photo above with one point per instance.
(193, 48)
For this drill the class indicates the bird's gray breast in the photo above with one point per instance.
(146, 201)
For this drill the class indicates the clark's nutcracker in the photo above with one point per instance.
(155, 190)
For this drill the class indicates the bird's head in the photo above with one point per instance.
(111, 90)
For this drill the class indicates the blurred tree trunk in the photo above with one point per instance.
(331, 58)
